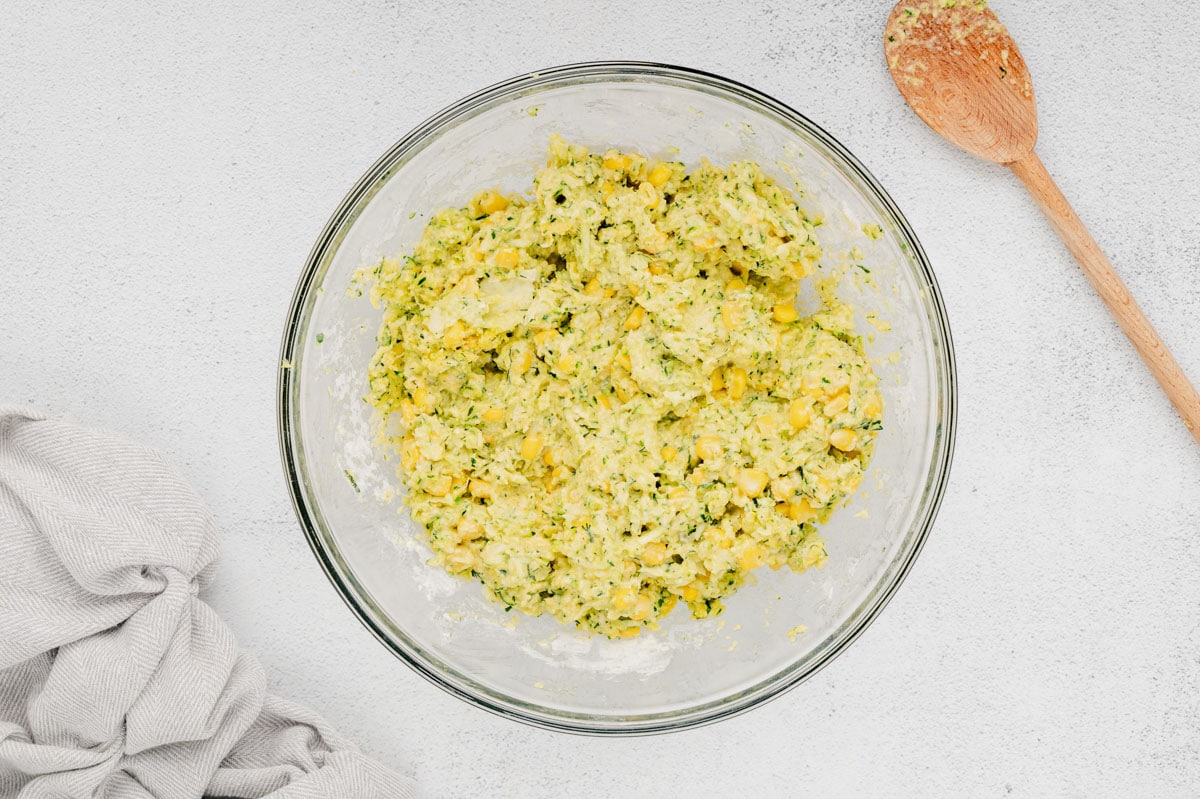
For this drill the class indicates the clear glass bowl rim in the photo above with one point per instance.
(462, 686)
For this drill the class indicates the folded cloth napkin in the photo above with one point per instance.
(116, 680)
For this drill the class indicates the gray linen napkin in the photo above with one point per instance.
(116, 680)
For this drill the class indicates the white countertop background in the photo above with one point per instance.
(165, 168)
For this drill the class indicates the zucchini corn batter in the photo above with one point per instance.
(603, 397)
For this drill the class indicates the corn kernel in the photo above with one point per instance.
(785, 312)
(482, 489)
(507, 257)
(650, 195)
(736, 378)
(764, 424)
(544, 337)
(606, 190)
(623, 361)
(751, 481)
(623, 394)
(633, 288)
(643, 608)
(799, 414)
(679, 492)
(704, 243)
(459, 559)
(489, 202)
(493, 415)
(408, 411)
(873, 407)
(634, 320)
(439, 486)
(550, 457)
(468, 529)
(454, 334)
(560, 473)
(838, 404)
(690, 593)
(657, 267)
(531, 447)
(604, 402)
(567, 363)
(522, 362)
(421, 399)
(800, 511)
(654, 554)
(708, 448)
(409, 453)
(624, 598)
(751, 557)
(730, 315)
(593, 288)
(843, 439)
(616, 161)
(668, 453)
(659, 175)
(737, 284)
(718, 381)
(631, 632)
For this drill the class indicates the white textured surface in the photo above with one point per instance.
(165, 168)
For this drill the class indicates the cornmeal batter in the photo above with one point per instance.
(606, 399)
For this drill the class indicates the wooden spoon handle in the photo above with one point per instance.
(1111, 289)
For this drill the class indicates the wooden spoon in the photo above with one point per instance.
(962, 73)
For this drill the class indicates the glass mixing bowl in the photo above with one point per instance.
(775, 632)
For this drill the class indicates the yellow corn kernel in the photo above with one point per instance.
(468, 529)
(751, 557)
(623, 361)
(544, 337)
(730, 315)
(659, 175)
(408, 411)
(718, 381)
(604, 402)
(668, 453)
(567, 363)
(800, 511)
(616, 161)
(657, 267)
(409, 453)
(799, 414)
(679, 492)
(489, 202)
(708, 448)
(737, 284)
(623, 394)
(631, 632)
(719, 537)
(654, 554)
(633, 289)
(838, 404)
(690, 593)
(459, 559)
(550, 457)
(785, 312)
(560, 473)
(704, 243)
(482, 489)
(522, 362)
(634, 320)
(454, 334)
(507, 257)
(439, 486)
(493, 415)
(873, 407)
(642, 609)
(764, 424)
(421, 399)
(593, 288)
(531, 447)
(624, 598)
(751, 481)
(844, 439)
(736, 379)
(606, 190)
